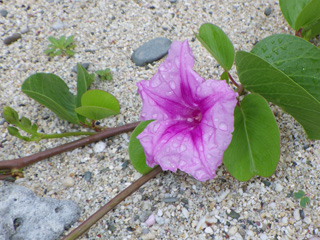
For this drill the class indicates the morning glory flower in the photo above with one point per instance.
(193, 117)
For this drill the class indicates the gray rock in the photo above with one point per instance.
(85, 65)
(58, 25)
(24, 29)
(87, 176)
(151, 51)
(267, 11)
(173, 1)
(3, 12)
(14, 37)
(29, 217)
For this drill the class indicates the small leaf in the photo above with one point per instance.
(255, 145)
(10, 115)
(84, 81)
(136, 152)
(225, 76)
(34, 128)
(291, 10)
(25, 122)
(299, 194)
(52, 92)
(309, 14)
(13, 131)
(311, 31)
(218, 44)
(54, 41)
(304, 201)
(98, 104)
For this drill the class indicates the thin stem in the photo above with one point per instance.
(298, 33)
(232, 80)
(85, 226)
(67, 134)
(26, 161)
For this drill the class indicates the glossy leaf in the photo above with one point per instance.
(136, 152)
(98, 104)
(291, 10)
(255, 145)
(286, 74)
(311, 31)
(309, 14)
(84, 81)
(218, 44)
(52, 92)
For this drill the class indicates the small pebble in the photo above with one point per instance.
(233, 230)
(14, 37)
(279, 188)
(263, 237)
(151, 220)
(87, 176)
(58, 25)
(172, 1)
(284, 220)
(301, 212)
(160, 213)
(250, 233)
(208, 230)
(185, 212)
(151, 51)
(24, 29)
(68, 182)
(149, 236)
(233, 214)
(159, 220)
(3, 12)
(267, 11)
(99, 147)
(296, 215)
(170, 200)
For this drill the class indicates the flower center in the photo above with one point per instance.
(195, 117)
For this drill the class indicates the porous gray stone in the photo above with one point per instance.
(151, 51)
(29, 217)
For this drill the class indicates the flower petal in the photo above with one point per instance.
(171, 91)
(196, 149)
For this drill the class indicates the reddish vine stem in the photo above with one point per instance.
(26, 161)
(85, 226)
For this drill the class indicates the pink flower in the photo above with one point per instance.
(193, 118)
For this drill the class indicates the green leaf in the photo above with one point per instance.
(54, 41)
(291, 10)
(304, 201)
(83, 83)
(98, 104)
(14, 131)
(34, 128)
(288, 75)
(309, 14)
(299, 194)
(69, 40)
(52, 92)
(218, 44)
(25, 122)
(136, 152)
(255, 145)
(225, 76)
(311, 31)
(10, 115)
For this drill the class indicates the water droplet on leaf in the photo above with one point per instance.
(223, 126)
